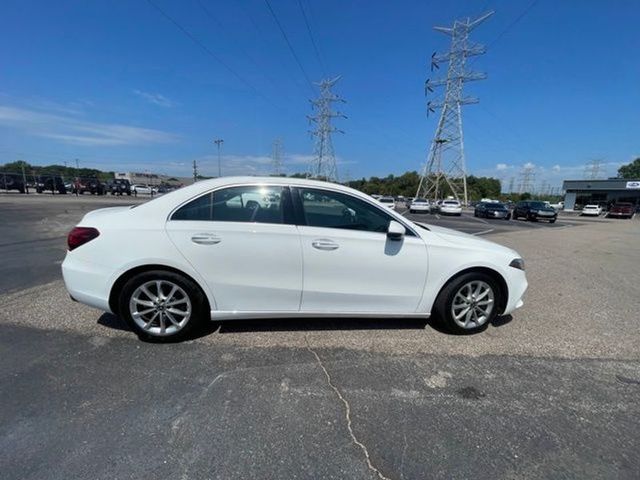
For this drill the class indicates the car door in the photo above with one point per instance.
(349, 263)
(243, 241)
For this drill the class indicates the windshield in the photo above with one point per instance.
(451, 203)
(419, 200)
(538, 205)
(387, 200)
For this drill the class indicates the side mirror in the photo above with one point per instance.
(395, 231)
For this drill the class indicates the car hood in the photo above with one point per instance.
(463, 239)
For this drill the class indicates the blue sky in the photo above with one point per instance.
(118, 86)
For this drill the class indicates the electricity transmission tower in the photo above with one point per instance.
(445, 166)
(593, 169)
(527, 175)
(324, 163)
(276, 155)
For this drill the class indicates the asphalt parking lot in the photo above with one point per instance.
(553, 391)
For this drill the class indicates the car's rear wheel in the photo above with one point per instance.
(468, 303)
(162, 306)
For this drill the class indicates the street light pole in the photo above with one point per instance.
(218, 143)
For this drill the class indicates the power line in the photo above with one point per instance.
(313, 42)
(220, 25)
(513, 23)
(208, 51)
(286, 39)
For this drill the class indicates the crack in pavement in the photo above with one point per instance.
(347, 409)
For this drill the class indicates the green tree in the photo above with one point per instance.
(632, 170)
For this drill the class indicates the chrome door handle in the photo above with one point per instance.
(205, 239)
(323, 244)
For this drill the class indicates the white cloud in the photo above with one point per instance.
(155, 98)
(556, 168)
(502, 167)
(254, 164)
(71, 130)
(529, 165)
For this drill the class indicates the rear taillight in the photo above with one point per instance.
(81, 235)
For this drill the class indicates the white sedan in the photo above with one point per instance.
(592, 210)
(388, 202)
(450, 207)
(251, 247)
(143, 189)
(419, 205)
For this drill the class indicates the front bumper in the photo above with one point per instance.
(517, 284)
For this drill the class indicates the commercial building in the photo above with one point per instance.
(603, 192)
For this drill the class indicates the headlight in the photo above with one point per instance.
(517, 263)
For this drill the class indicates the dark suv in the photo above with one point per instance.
(534, 210)
(119, 186)
(12, 181)
(52, 183)
(91, 185)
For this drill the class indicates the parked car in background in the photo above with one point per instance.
(12, 181)
(89, 185)
(119, 186)
(450, 207)
(143, 189)
(248, 247)
(388, 202)
(558, 206)
(591, 210)
(533, 211)
(622, 210)
(52, 184)
(419, 205)
(492, 210)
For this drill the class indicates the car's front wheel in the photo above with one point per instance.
(162, 306)
(468, 303)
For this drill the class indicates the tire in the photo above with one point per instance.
(411, 211)
(189, 298)
(552, 221)
(444, 304)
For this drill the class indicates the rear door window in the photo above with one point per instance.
(251, 204)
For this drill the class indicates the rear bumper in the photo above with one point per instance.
(86, 282)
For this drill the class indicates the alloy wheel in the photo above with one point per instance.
(160, 307)
(473, 304)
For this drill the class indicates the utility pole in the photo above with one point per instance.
(195, 171)
(446, 162)
(219, 143)
(527, 175)
(593, 169)
(324, 163)
(77, 168)
(24, 177)
(511, 184)
(276, 155)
